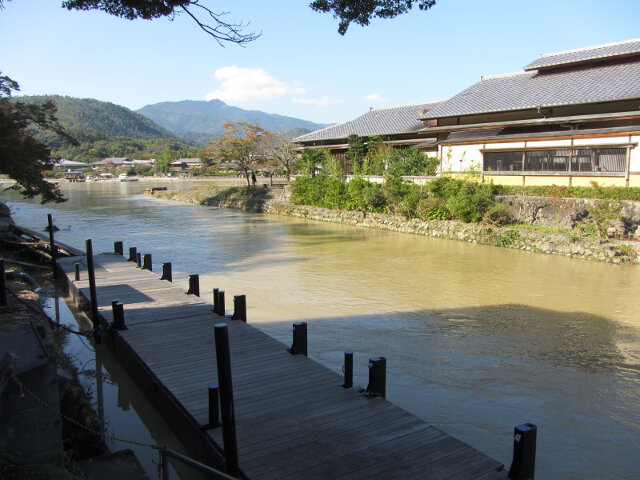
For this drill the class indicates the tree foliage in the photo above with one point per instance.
(241, 143)
(22, 157)
(278, 153)
(311, 161)
(362, 11)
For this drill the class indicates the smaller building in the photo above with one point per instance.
(112, 162)
(185, 164)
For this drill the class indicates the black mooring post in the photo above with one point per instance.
(223, 359)
(146, 262)
(76, 271)
(118, 248)
(222, 308)
(194, 285)
(133, 254)
(523, 466)
(239, 308)
(348, 369)
(299, 344)
(138, 260)
(166, 272)
(377, 377)
(92, 288)
(214, 406)
(52, 244)
(215, 300)
(118, 315)
(3, 285)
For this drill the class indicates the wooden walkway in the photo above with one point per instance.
(294, 420)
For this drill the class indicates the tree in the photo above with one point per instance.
(240, 143)
(278, 152)
(22, 157)
(356, 152)
(362, 11)
(311, 160)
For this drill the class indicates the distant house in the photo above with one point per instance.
(114, 161)
(569, 118)
(150, 161)
(71, 166)
(398, 126)
(185, 164)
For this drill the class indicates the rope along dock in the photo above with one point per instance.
(293, 418)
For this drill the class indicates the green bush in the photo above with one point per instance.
(597, 191)
(374, 197)
(498, 214)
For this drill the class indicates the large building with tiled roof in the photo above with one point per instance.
(398, 126)
(569, 118)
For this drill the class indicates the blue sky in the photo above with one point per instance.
(300, 66)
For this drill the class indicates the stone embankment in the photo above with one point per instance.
(536, 238)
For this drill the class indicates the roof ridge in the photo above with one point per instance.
(582, 49)
(428, 102)
(503, 75)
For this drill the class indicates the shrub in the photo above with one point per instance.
(498, 214)
(431, 207)
(374, 197)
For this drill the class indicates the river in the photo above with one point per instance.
(478, 339)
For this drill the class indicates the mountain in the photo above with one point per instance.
(201, 121)
(104, 130)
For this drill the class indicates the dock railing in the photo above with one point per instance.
(210, 472)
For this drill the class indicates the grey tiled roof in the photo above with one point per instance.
(377, 121)
(584, 54)
(532, 89)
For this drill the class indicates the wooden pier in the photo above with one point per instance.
(293, 417)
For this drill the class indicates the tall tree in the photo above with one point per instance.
(241, 143)
(22, 157)
(278, 152)
(311, 161)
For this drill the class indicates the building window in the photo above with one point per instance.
(561, 160)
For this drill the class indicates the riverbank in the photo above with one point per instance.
(517, 236)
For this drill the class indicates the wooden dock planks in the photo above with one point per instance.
(293, 418)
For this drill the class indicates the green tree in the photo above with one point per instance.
(163, 160)
(22, 157)
(240, 143)
(356, 152)
(311, 161)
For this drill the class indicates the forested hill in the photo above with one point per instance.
(104, 130)
(201, 121)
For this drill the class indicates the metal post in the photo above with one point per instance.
(92, 285)
(223, 360)
(138, 260)
(118, 248)
(377, 377)
(215, 300)
(239, 308)
(164, 459)
(299, 344)
(118, 315)
(76, 269)
(3, 285)
(523, 466)
(133, 253)
(348, 369)
(166, 272)
(146, 262)
(52, 244)
(214, 406)
(194, 285)
(222, 309)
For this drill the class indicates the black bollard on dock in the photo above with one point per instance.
(118, 248)
(347, 369)
(214, 406)
(377, 386)
(118, 315)
(52, 244)
(215, 300)
(239, 308)
(146, 262)
(523, 466)
(221, 308)
(299, 345)
(76, 271)
(194, 285)
(133, 254)
(223, 360)
(3, 285)
(139, 260)
(95, 317)
(166, 272)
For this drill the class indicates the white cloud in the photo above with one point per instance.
(374, 98)
(240, 85)
(319, 102)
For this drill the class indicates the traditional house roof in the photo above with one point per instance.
(617, 78)
(587, 54)
(377, 121)
(113, 160)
